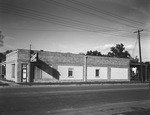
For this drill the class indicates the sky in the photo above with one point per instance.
(75, 26)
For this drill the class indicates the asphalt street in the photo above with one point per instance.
(73, 100)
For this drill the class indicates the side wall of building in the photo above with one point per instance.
(11, 66)
(91, 73)
(76, 72)
(51, 66)
(110, 69)
(119, 73)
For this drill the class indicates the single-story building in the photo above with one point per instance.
(42, 66)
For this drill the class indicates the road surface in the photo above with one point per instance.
(74, 100)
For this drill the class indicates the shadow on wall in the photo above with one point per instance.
(49, 70)
(46, 68)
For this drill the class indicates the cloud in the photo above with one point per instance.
(104, 47)
(129, 47)
(108, 46)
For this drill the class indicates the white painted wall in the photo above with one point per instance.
(119, 73)
(46, 75)
(77, 72)
(41, 74)
(91, 73)
(11, 59)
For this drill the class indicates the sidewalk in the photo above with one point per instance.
(4, 83)
(8, 83)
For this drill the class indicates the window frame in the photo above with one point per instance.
(97, 73)
(13, 70)
(24, 71)
(70, 70)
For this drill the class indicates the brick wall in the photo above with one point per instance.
(107, 61)
(55, 59)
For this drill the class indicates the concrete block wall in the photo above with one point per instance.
(11, 58)
(77, 73)
(118, 69)
(107, 61)
(102, 75)
(51, 60)
(56, 58)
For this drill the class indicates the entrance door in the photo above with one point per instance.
(24, 72)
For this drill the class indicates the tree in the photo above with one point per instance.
(134, 60)
(119, 51)
(8, 51)
(89, 52)
(3, 55)
(1, 39)
(94, 53)
(82, 53)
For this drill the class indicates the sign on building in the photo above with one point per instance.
(34, 57)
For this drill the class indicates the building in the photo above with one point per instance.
(2, 70)
(136, 71)
(45, 66)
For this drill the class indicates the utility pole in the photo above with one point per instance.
(141, 65)
(85, 68)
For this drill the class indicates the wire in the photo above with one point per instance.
(87, 13)
(35, 15)
(107, 13)
(29, 29)
(134, 47)
(58, 18)
(32, 29)
(26, 47)
(41, 18)
(145, 40)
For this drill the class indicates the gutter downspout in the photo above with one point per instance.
(85, 68)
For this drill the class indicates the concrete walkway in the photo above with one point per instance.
(11, 84)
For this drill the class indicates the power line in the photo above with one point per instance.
(38, 17)
(134, 47)
(87, 13)
(147, 40)
(35, 15)
(41, 18)
(57, 18)
(45, 19)
(29, 29)
(107, 13)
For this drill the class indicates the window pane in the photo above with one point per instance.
(70, 72)
(13, 70)
(97, 73)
